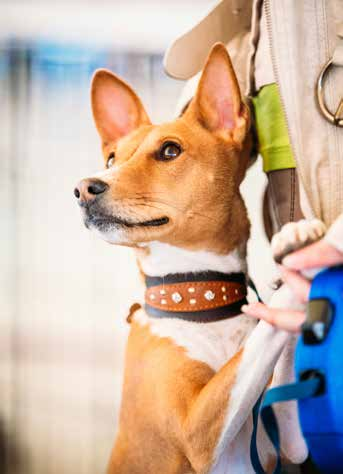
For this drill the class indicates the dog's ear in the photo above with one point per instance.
(217, 104)
(117, 110)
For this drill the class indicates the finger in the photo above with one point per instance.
(319, 254)
(299, 285)
(290, 321)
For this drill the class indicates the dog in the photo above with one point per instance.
(195, 366)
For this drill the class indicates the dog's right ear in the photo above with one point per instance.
(117, 110)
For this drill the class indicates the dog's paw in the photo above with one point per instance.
(296, 235)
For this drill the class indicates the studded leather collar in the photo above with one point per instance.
(198, 297)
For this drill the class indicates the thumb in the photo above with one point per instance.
(319, 254)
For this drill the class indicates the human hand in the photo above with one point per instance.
(317, 255)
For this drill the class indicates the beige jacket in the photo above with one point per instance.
(303, 36)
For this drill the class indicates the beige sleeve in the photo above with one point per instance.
(334, 235)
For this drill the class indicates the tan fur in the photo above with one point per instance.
(173, 407)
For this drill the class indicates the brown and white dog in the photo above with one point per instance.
(171, 191)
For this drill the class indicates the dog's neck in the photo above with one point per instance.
(160, 259)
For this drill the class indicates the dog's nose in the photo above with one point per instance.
(88, 189)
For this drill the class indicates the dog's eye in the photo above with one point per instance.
(169, 151)
(110, 160)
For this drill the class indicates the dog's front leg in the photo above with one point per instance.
(222, 407)
(293, 446)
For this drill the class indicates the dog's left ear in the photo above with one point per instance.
(117, 110)
(218, 104)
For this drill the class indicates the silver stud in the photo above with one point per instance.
(163, 301)
(224, 297)
(223, 289)
(176, 297)
(152, 296)
(209, 295)
(192, 301)
(162, 292)
(191, 289)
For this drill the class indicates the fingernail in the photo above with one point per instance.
(245, 307)
(287, 261)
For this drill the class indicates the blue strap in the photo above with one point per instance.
(254, 457)
(295, 391)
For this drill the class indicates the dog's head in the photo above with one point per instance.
(177, 182)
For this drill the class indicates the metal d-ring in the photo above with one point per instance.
(337, 118)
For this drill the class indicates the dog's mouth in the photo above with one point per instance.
(104, 222)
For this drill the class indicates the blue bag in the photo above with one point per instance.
(320, 353)
(319, 379)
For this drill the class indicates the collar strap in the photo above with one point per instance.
(198, 297)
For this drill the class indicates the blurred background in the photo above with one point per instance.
(64, 294)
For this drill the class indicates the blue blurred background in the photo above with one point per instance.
(64, 294)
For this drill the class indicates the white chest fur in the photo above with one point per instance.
(211, 343)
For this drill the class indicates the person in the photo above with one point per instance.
(287, 55)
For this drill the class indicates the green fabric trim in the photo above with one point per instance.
(271, 128)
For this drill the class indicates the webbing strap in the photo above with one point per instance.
(295, 391)
(254, 457)
(273, 140)
(252, 285)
